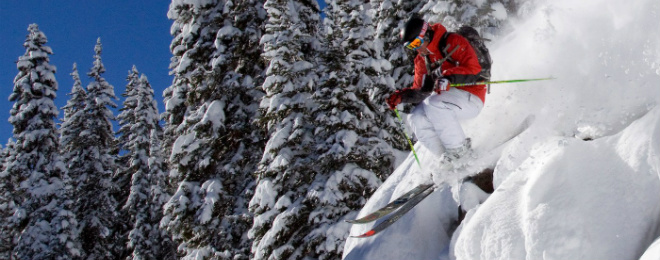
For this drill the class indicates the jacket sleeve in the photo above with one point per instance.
(420, 72)
(422, 85)
(466, 67)
(414, 96)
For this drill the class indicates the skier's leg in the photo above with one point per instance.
(424, 130)
(445, 112)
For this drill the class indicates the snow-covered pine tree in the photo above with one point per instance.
(3, 157)
(127, 115)
(353, 128)
(36, 164)
(8, 183)
(126, 118)
(66, 244)
(209, 109)
(161, 244)
(139, 119)
(238, 71)
(78, 95)
(124, 169)
(192, 49)
(73, 122)
(87, 141)
(288, 165)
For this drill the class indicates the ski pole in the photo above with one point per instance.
(496, 82)
(403, 129)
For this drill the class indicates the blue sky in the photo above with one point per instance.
(132, 33)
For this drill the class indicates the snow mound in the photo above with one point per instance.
(573, 199)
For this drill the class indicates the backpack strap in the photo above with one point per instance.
(444, 48)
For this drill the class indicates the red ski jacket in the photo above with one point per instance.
(464, 70)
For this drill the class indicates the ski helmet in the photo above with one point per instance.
(414, 27)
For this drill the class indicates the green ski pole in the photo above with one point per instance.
(496, 82)
(407, 138)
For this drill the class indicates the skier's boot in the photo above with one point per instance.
(456, 157)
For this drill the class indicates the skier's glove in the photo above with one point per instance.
(394, 99)
(437, 73)
(442, 84)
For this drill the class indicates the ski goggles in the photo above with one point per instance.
(419, 40)
(415, 44)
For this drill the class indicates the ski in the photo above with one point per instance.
(406, 202)
(392, 206)
(397, 215)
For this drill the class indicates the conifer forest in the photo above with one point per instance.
(275, 131)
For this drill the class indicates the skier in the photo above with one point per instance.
(435, 118)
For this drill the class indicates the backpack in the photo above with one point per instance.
(471, 34)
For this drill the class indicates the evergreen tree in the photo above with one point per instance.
(78, 95)
(124, 169)
(192, 49)
(66, 244)
(139, 119)
(73, 122)
(239, 72)
(160, 243)
(354, 130)
(127, 116)
(47, 230)
(8, 228)
(3, 157)
(213, 142)
(288, 165)
(87, 141)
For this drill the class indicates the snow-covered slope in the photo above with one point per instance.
(571, 199)
(557, 196)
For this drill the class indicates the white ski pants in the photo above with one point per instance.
(436, 121)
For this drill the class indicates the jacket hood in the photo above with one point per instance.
(438, 30)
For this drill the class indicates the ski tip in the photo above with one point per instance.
(368, 234)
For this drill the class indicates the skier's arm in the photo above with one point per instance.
(414, 96)
(411, 95)
(422, 84)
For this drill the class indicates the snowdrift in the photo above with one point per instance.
(582, 181)
(572, 199)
